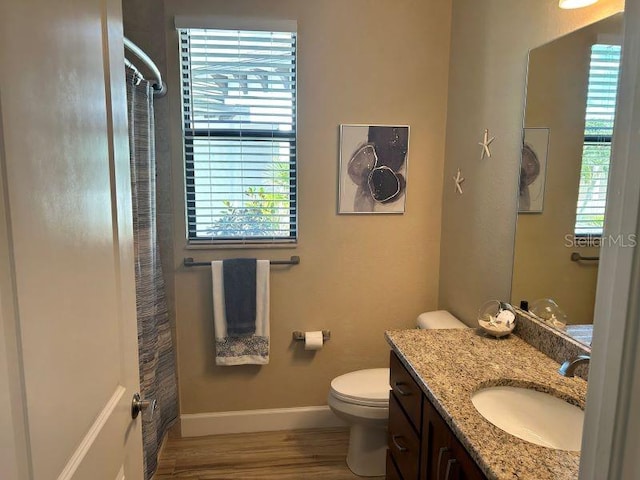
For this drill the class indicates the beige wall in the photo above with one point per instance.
(359, 62)
(489, 45)
(556, 99)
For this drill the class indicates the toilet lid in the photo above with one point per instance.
(364, 387)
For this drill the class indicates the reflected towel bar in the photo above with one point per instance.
(295, 260)
(576, 257)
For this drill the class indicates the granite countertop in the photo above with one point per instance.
(449, 365)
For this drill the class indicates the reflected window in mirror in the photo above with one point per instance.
(596, 153)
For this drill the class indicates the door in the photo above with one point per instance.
(67, 297)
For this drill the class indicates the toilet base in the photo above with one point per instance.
(367, 451)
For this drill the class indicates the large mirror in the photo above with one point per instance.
(568, 125)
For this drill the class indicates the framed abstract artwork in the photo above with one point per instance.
(373, 168)
(533, 170)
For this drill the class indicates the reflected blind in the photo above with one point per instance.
(596, 154)
(239, 106)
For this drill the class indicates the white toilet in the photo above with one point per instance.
(361, 399)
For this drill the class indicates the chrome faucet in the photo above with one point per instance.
(568, 368)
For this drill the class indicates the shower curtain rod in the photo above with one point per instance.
(159, 87)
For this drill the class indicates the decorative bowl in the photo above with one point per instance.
(497, 318)
(549, 312)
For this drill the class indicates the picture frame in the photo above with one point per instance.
(533, 170)
(373, 169)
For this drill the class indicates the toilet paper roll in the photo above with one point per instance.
(313, 340)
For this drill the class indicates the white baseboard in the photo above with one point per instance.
(267, 420)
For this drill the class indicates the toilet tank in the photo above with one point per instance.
(439, 319)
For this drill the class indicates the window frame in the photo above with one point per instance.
(189, 133)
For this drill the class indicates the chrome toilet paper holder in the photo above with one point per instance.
(299, 336)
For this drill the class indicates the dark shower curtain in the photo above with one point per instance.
(157, 358)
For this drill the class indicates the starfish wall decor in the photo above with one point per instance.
(486, 141)
(458, 179)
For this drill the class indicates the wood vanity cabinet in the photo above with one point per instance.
(421, 444)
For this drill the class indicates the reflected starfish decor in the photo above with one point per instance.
(486, 141)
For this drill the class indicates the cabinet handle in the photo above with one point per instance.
(442, 451)
(450, 463)
(394, 439)
(402, 392)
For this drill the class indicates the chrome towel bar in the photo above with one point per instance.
(576, 257)
(294, 260)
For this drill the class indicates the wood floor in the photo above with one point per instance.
(287, 455)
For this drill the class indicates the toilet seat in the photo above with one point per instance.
(368, 388)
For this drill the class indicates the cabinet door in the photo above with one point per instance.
(442, 456)
(392, 471)
(465, 467)
(436, 446)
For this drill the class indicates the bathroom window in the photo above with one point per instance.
(598, 132)
(239, 107)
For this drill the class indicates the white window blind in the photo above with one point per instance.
(596, 154)
(239, 105)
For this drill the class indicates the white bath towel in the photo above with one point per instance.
(245, 350)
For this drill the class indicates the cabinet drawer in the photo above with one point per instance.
(403, 441)
(392, 471)
(406, 390)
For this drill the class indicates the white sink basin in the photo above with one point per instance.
(533, 416)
